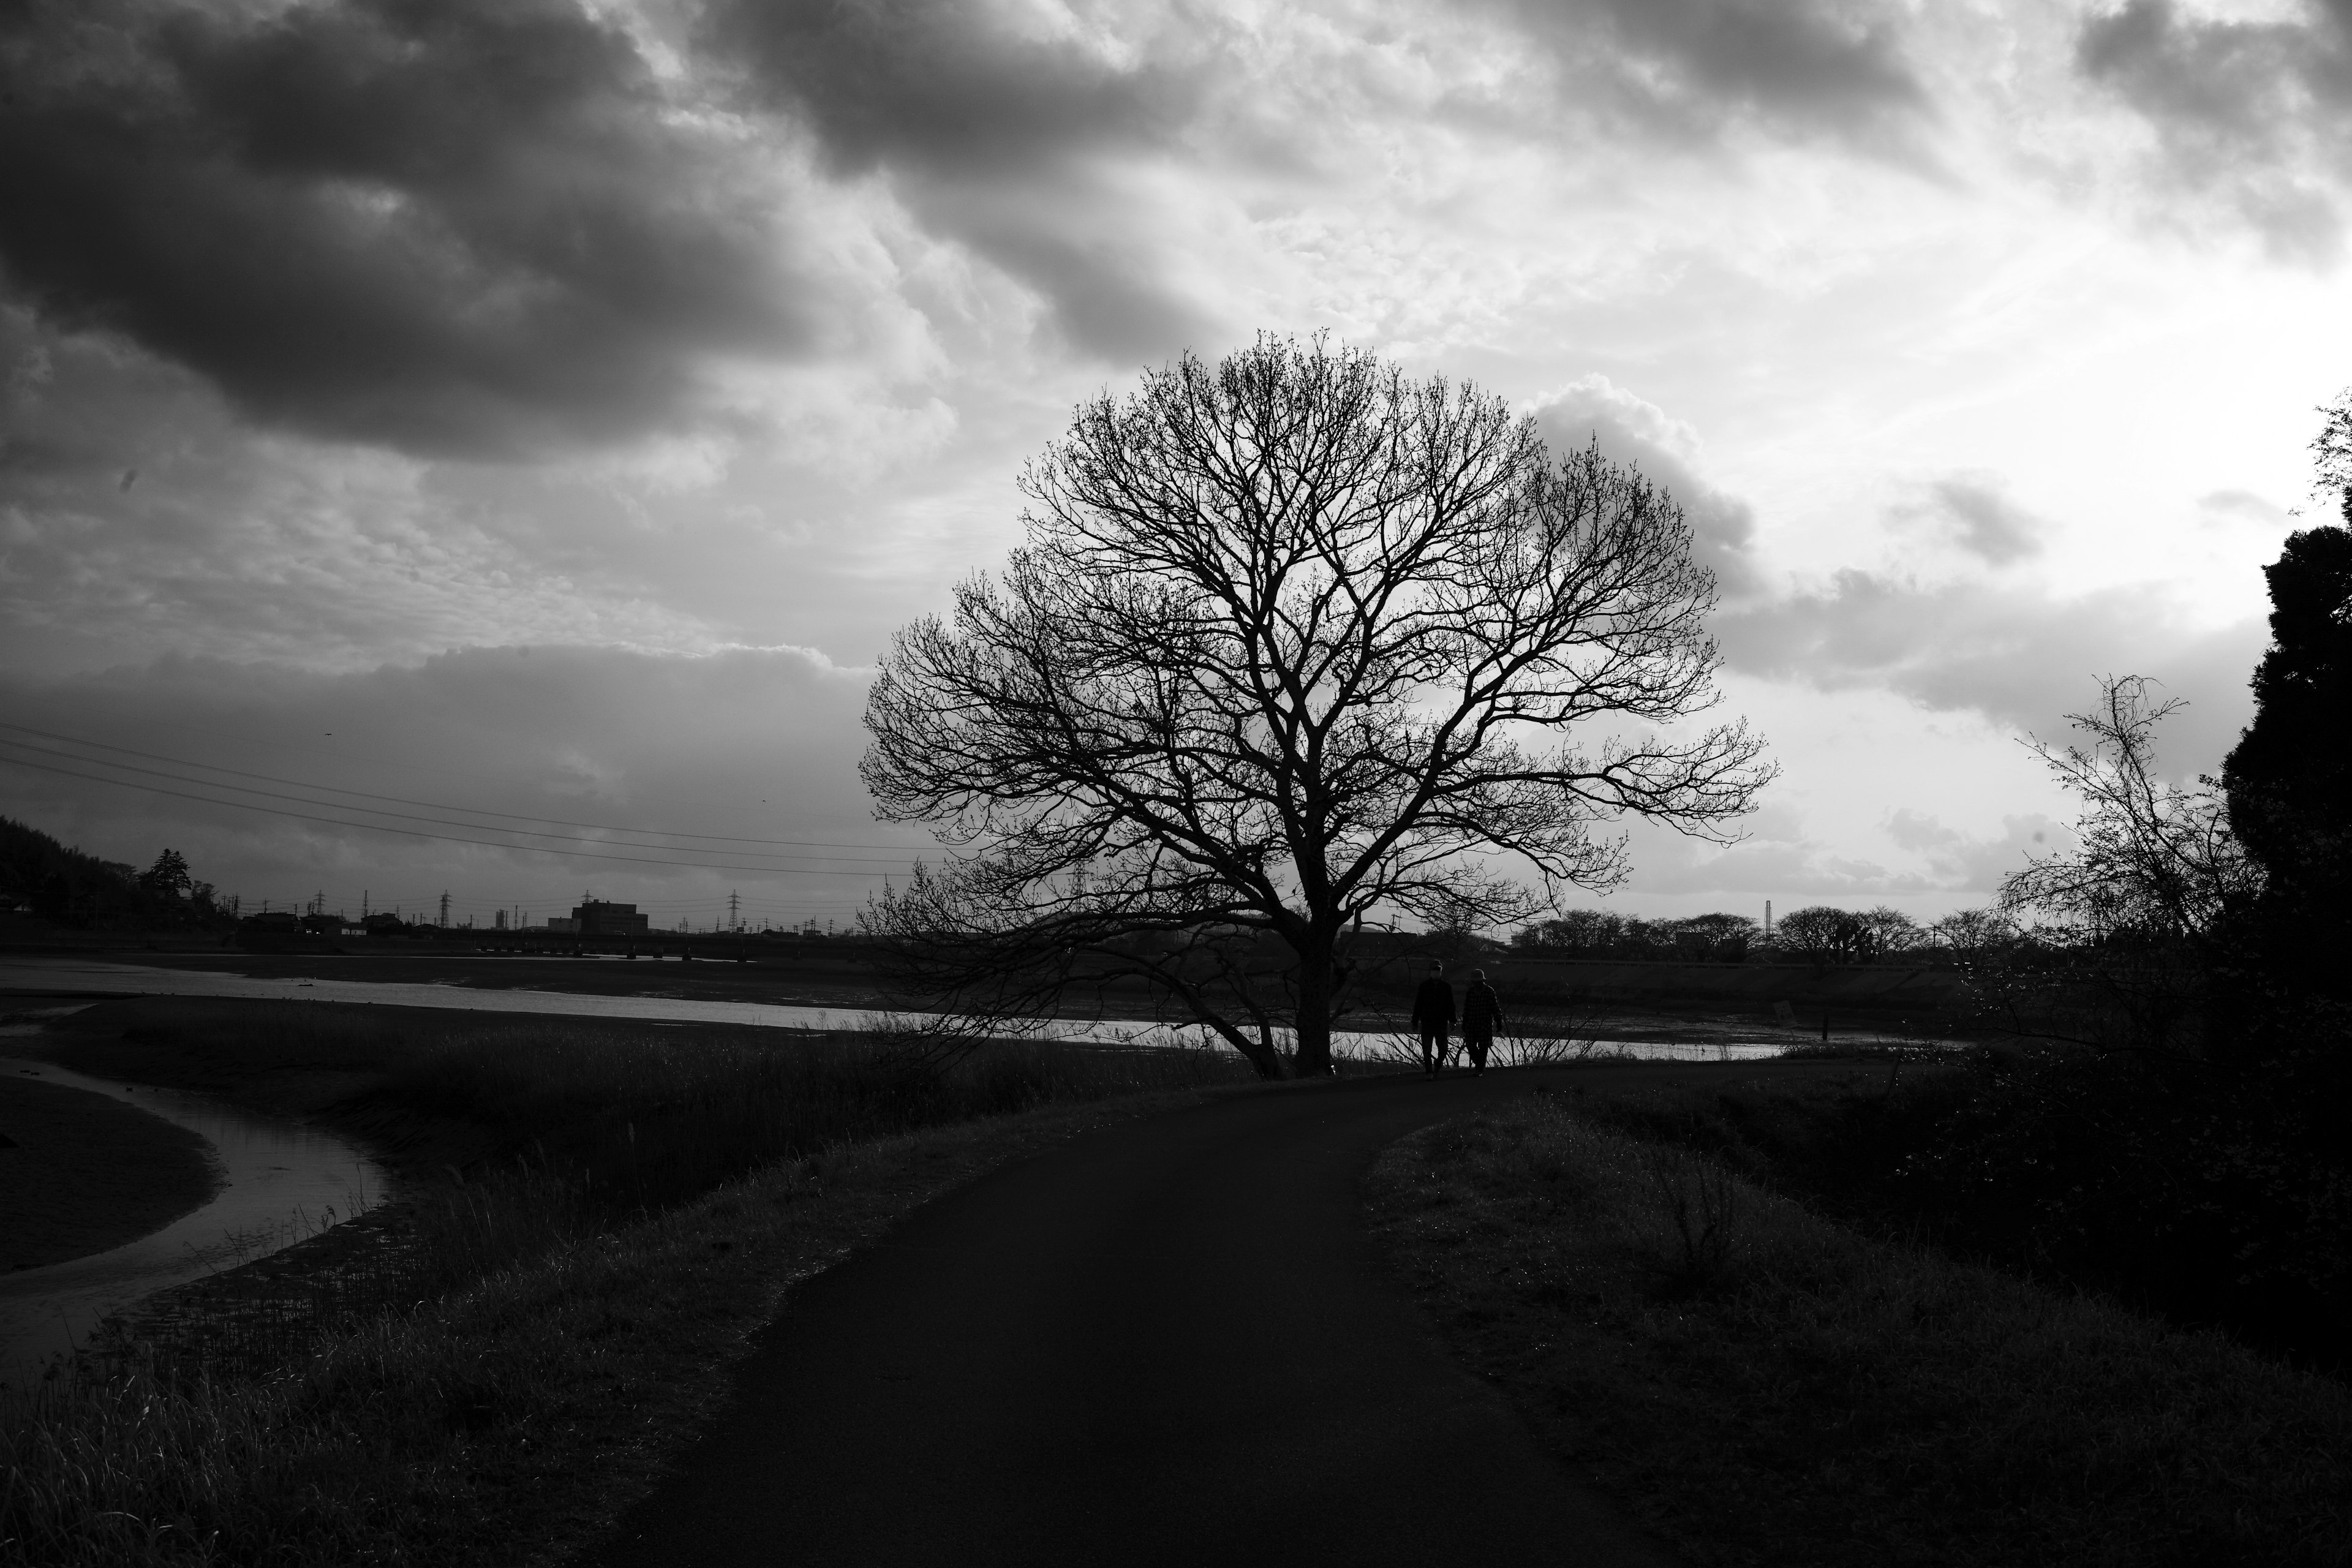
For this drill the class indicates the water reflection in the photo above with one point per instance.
(128, 980)
(285, 1181)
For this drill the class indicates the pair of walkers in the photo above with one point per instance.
(1432, 1017)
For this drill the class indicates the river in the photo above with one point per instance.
(88, 976)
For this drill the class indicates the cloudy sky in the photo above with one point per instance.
(550, 408)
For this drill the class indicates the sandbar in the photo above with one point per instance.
(82, 1172)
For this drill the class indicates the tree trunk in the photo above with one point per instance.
(1268, 1063)
(1314, 1021)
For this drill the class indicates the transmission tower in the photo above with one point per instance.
(734, 911)
(445, 907)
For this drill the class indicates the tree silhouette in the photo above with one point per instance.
(1294, 639)
(168, 877)
(2290, 777)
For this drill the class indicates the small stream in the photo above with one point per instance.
(285, 1182)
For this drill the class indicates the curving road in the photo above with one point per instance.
(1166, 1342)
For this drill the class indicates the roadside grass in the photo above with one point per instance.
(595, 1223)
(2211, 1195)
(1765, 1386)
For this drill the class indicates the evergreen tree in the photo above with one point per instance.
(2290, 779)
(169, 876)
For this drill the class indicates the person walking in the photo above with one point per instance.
(1432, 1015)
(1481, 1011)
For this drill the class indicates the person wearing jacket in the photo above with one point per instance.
(1481, 1011)
(1432, 1015)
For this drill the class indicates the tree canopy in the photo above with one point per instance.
(1294, 640)
(2289, 780)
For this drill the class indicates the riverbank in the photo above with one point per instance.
(649, 993)
(1634, 1002)
(506, 1423)
(1763, 1386)
(597, 1219)
(81, 1172)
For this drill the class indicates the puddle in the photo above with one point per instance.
(285, 1181)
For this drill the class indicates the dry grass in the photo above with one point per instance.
(506, 1423)
(496, 1374)
(1766, 1387)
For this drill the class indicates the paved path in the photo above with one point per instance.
(1165, 1342)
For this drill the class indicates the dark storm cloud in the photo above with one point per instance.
(447, 225)
(948, 85)
(1003, 132)
(1688, 67)
(762, 741)
(2257, 111)
(993, 135)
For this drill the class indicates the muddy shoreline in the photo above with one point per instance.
(81, 1172)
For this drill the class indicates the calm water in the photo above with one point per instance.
(133, 980)
(285, 1181)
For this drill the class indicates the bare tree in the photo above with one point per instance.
(1824, 934)
(2155, 861)
(1294, 639)
(1971, 936)
(2126, 921)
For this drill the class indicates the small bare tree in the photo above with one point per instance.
(2123, 921)
(2155, 861)
(1294, 639)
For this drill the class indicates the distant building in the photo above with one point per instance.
(560, 924)
(598, 917)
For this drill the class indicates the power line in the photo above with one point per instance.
(378, 811)
(414, 833)
(400, 800)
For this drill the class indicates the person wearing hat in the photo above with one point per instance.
(1432, 1015)
(1481, 1011)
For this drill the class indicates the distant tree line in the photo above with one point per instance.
(1818, 935)
(68, 887)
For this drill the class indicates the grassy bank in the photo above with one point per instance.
(597, 1220)
(1764, 1386)
(2214, 1196)
(625, 1115)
